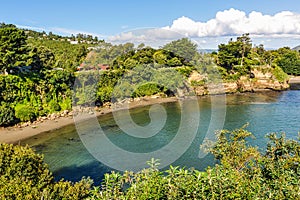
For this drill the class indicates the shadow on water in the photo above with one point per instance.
(295, 86)
(94, 170)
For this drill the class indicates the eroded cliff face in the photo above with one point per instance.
(260, 79)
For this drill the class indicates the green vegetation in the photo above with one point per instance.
(184, 48)
(13, 51)
(239, 56)
(24, 98)
(147, 89)
(24, 175)
(289, 61)
(241, 172)
(38, 70)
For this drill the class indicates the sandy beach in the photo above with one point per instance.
(15, 134)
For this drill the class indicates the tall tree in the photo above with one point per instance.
(235, 52)
(13, 50)
(183, 47)
(246, 46)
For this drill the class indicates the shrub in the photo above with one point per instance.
(185, 71)
(24, 175)
(54, 105)
(279, 74)
(147, 89)
(7, 114)
(25, 112)
(66, 104)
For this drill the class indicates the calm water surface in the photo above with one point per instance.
(266, 112)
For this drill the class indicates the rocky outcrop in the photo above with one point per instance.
(260, 79)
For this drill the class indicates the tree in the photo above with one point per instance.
(184, 48)
(245, 43)
(235, 52)
(13, 50)
(289, 61)
(45, 57)
(24, 175)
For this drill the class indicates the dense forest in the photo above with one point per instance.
(39, 70)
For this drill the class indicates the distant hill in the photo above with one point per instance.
(297, 48)
(207, 50)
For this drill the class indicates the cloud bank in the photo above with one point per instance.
(236, 22)
(280, 29)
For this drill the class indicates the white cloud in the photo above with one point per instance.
(126, 37)
(154, 37)
(283, 28)
(236, 22)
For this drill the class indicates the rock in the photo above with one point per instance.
(230, 87)
(25, 124)
(91, 112)
(53, 116)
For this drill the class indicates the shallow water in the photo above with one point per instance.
(266, 112)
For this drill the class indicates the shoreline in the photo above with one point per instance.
(14, 134)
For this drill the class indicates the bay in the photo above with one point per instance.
(265, 112)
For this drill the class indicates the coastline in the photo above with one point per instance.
(14, 134)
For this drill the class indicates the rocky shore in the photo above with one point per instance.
(261, 79)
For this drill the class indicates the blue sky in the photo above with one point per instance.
(110, 18)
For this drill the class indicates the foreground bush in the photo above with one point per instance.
(24, 175)
(242, 172)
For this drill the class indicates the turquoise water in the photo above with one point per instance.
(266, 112)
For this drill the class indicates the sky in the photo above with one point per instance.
(274, 23)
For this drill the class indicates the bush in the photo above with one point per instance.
(66, 104)
(279, 74)
(24, 175)
(7, 115)
(185, 71)
(25, 112)
(147, 89)
(54, 106)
